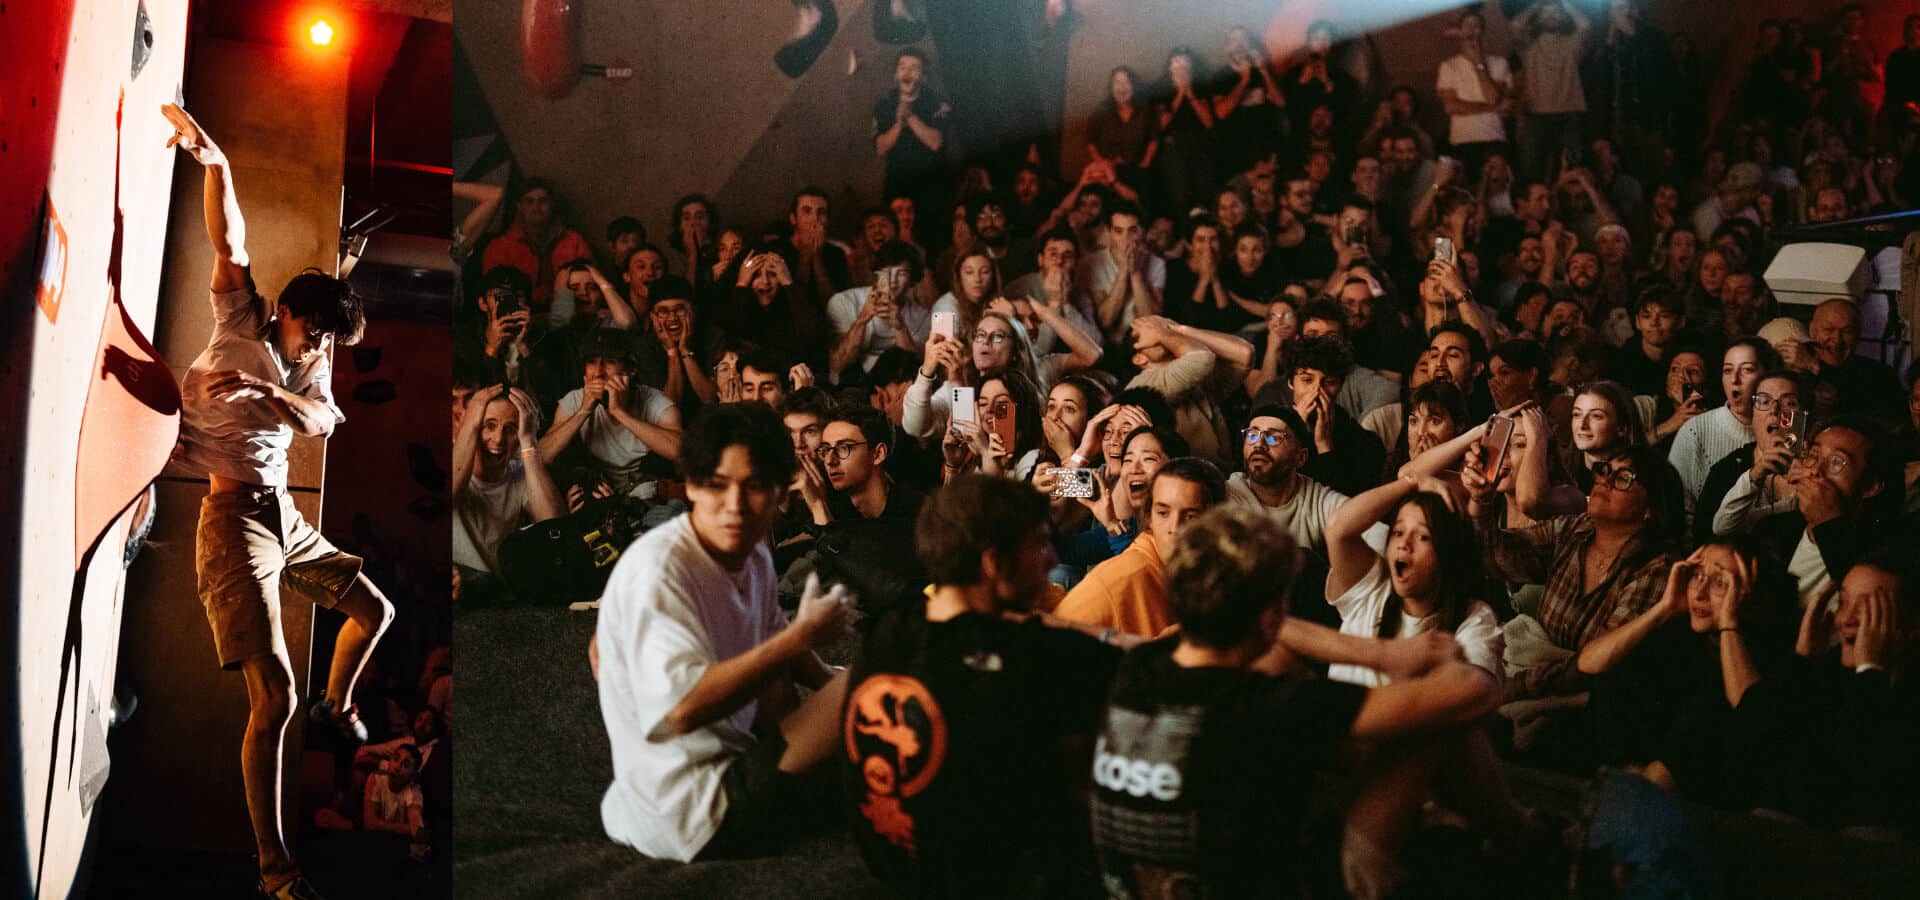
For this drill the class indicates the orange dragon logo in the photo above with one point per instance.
(897, 736)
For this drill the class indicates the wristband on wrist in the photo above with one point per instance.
(529, 451)
(1866, 667)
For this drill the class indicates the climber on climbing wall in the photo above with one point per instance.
(263, 378)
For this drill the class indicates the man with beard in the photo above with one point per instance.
(877, 227)
(1014, 259)
(1532, 208)
(910, 133)
(1528, 262)
(1302, 247)
(1460, 356)
(1583, 286)
(1274, 448)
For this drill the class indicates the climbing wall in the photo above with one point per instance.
(84, 193)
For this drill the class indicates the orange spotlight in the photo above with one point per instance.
(320, 33)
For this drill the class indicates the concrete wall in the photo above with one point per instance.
(707, 111)
(280, 114)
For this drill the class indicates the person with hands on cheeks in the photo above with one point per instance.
(617, 420)
(495, 490)
(264, 377)
(672, 317)
(764, 309)
(1856, 726)
(823, 270)
(1346, 457)
(1671, 686)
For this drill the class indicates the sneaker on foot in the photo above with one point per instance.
(346, 723)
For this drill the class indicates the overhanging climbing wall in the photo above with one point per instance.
(82, 221)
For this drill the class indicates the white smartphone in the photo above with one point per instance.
(1443, 249)
(961, 399)
(943, 324)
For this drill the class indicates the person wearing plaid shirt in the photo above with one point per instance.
(1601, 567)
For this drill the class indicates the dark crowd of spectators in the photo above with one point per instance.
(1391, 452)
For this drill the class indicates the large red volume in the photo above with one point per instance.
(549, 50)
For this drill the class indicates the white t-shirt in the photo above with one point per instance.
(618, 449)
(1098, 271)
(1304, 515)
(1457, 74)
(670, 611)
(485, 513)
(843, 308)
(243, 439)
(1362, 605)
(390, 805)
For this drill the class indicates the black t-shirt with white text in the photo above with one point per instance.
(951, 751)
(1201, 775)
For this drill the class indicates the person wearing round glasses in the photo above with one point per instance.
(1756, 470)
(861, 517)
(1841, 487)
(1600, 567)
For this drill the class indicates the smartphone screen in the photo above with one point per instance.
(943, 324)
(961, 399)
(1493, 447)
(1443, 249)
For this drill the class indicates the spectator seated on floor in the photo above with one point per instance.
(614, 424)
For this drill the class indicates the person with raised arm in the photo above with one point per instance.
(263, 378)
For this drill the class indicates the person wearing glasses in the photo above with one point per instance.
(1841, 484)
(1600, 567)
(861, 517)
(676, 352)
(1710, 436)
(996, 344)
(1671, 687)
(1782, 400)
